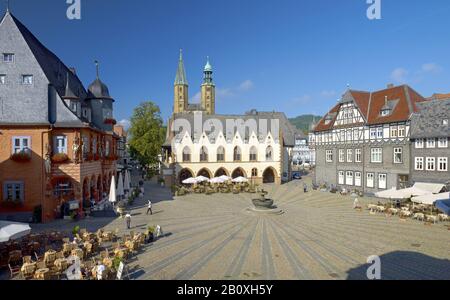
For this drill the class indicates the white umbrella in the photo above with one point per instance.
(112, 191)
(13, 231)
(217, 180)
(240, 179)
(225, 177)
(190, 181)
(430, 199)
(127, 181)
(119, 191)
(200, 179)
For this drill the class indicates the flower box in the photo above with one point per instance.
(23, 156)
(60, 158)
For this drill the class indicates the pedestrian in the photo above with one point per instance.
(128, 220)
(305, 187)
(142, 190)
(356, 204)
(149, 207)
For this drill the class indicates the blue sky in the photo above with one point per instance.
(287, 55)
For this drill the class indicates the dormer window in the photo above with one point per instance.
(8, 57)
(328, 120)
(385, 112)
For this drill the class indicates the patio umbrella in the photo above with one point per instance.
(190, 181)
(119, 191)
(444, 206)
(224, 177)
(13, 231)
(127, 181)
(201, 179)
(430, 199)
(240, 180)
(112, 191)
(217, 180)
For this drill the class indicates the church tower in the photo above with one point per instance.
(181, 88)
(208, 90)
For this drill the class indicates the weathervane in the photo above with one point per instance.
(7, 5)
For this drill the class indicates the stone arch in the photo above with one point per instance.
(269, 175)
(239, 172)
(185, 174)
(205, 172)
(187, 153)
(269, 153)
(237, 153)
(204, 154)
(221, 172)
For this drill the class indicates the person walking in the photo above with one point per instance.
(305, 187)
(128, 220)
(149, 207)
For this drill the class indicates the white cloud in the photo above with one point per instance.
(431, 68)
(246, 85)
(304, 99)
(125, 123)
(399, 75)
(197, 98)
(328, 94)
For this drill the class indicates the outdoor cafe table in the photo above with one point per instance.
(42, 274)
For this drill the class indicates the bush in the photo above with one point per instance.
(76, 230)
(116, 263)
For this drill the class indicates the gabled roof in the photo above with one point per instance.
(429, 121)
(403, 101)
(180, 78)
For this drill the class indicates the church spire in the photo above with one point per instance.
(180, 78)
(207, 72)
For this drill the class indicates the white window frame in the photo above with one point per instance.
(358, 155)
(5, 55)
(15, 185)
(419, 164)
(380, 132)
(373, 133)
(329, 156)
(370, 180)
(27, 82)
(401, 131)
(419, 143)
(349, 176)
(358, 179)
(341, 178)
(431, 143)
(398, 150)
(349, 155)
(60, 148)
(2, 79)
(443, 143)
(376, 155)
(394, 132)
(442, 165)
(341, 155)
(430, 164)
(21, 147)
(382, 181)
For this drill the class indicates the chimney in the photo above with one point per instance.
(390, 85)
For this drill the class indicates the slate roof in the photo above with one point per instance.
(429, 122)
(402, 99)
(287, 129)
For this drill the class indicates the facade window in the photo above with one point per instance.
(431, 164)
(376, 155)
(8, 57)
(358, 155)
(107, 148)
(186, 154)
(2, 79)
(431, 143)
(13, 191)
(341, 155)
(350, 155)
(94, 145)
(443, 143)
(445, 122)
(394, 132)
(254, 172)
(269, 153)
(358, 179)
(253, 154)
(401, 131)
(21, 144)
(398, 155)
(419, 164)
(329, 156)
(27, 79)
(442, 164)
(373, 133)
(356, 134)
(237, 154)
(203, 154)
(379, 132)
(382, 181)
(349, 178)
(419, 143)
(221, 154)
(341, 177)
(370, 181)
(60, 144)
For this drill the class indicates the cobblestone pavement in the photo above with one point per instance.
(319, 236)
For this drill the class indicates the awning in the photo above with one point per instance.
(434, 188)
(13, 231)
(402, 194)
(430, 199)
(444, 206)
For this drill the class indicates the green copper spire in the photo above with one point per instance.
(180, 79)
(207, 73)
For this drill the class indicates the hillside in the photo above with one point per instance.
(303, 122)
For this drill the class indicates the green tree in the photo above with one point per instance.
(147, 133)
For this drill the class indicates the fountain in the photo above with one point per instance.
(262, 205)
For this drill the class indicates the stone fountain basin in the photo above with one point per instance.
(263, 204)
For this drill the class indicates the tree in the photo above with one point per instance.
(147, 133)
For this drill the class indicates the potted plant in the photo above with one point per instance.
(60, 158)
(22, 156)
(151, 233)
(76, 230)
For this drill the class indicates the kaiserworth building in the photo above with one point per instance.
(57, 145)
(363, 142)
(199, 142)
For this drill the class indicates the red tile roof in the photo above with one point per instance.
(370, 105)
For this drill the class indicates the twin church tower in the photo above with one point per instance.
(208, 91)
